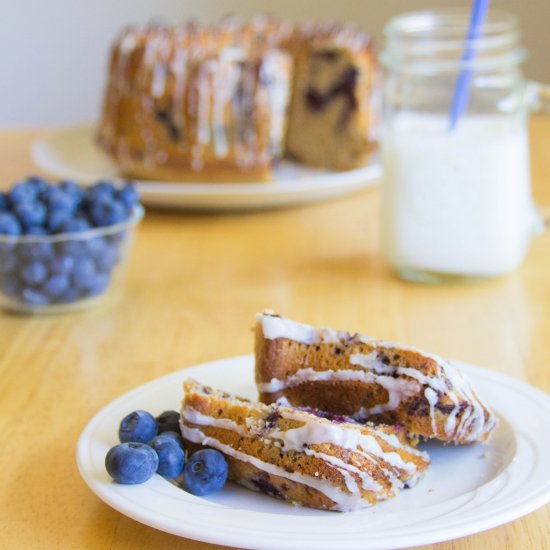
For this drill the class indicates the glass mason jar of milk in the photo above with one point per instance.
(456, 200)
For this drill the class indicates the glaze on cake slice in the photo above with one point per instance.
(367, 379)
(301, 456)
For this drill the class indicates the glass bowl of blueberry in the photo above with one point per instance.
(62, 244)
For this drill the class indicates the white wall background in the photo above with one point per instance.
(53, 52)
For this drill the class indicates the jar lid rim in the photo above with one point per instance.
(446, 19)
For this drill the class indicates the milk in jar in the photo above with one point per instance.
(459, 201)
(456, 198)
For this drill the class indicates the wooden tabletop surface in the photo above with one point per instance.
(193, 285)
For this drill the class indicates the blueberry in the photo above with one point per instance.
(62, 264)
(97, 246)
(168, 421)
(107, 212)
(58, 218)
(74, 190)
(128, 196)
(31, 213)
(131, 463)
(106, 261)
(9, 224)
(3, 201)
(72, 294)
(34, 297)
(97, 285)
(137, 426)
(101, 190)
(39, 184)
(76, 225)
(56, 198)
(84, 272)
(23, 191)
(171, 456)
(34, 273)
(56, 285)
(205, 472)
(35, 250)
(174, 436)
(35, 230)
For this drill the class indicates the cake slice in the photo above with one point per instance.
(367, 379)
(301, 456)
(332, 122)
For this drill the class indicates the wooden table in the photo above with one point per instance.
(194, 283)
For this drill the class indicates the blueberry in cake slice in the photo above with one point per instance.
(301, 455)
(331, 120)
(367, 379)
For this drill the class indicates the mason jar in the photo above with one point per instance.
(456, 198)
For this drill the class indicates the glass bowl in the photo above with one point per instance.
(65, 271)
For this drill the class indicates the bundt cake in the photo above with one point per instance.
(214, 102)
(367, 379)
(301, 456)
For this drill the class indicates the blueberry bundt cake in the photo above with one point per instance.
(224, 102)
(302, 456)
(367, 379)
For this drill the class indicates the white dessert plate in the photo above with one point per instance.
(467, 489)
(71, 154)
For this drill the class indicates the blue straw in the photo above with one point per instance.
(462, 86)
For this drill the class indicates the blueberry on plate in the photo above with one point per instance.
(174, 436)
(171, 456)
(131, 463)
(205, 472)
(168, 421)
(137, 426)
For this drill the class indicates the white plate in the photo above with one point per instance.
(72, 154)
(467, 489)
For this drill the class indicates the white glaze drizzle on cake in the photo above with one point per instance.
(314, 431)
(468, 421)
(196, 71)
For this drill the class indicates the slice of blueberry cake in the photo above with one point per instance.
(367, 379)
(331, 121)
(301, 455)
